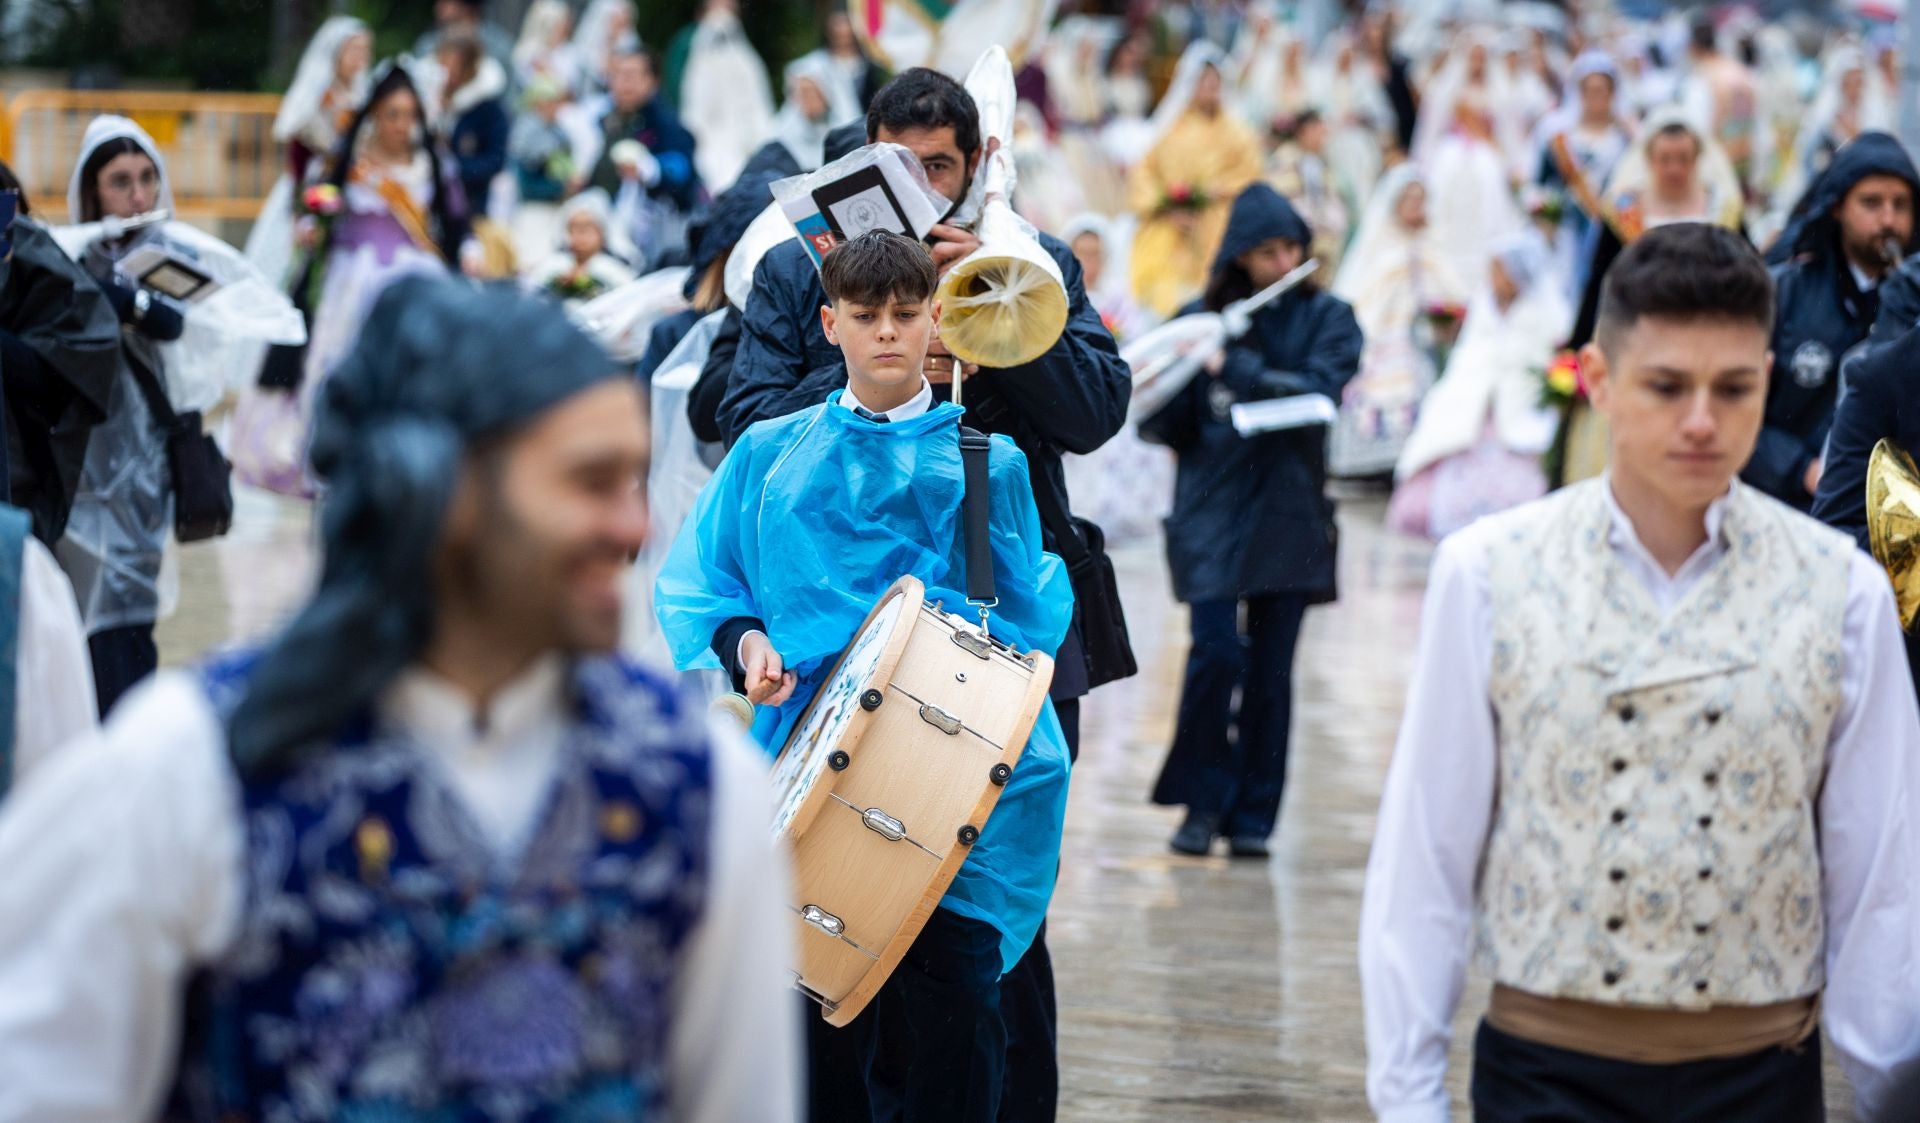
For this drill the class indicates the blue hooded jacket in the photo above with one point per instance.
(1250, 514)
(1820, 318)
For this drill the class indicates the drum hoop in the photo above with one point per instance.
(896, 646)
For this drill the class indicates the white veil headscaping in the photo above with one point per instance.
(597, 205)
(109, 127)
(225, 334)
(314, 76)
(805, 139)
(593, 36)
(1379, 231)
(1714, 172)
(543, 18)
(1256, 72)
(724, 98)
(1199, 55)
(1444, 91)
(1565, 118)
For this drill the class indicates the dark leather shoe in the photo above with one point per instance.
(1248, 846)
(1194, 837)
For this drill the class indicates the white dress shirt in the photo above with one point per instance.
(911, 408)
(53, 698)
(125, 871)
(1417, 915)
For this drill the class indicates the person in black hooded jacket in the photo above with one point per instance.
(1251, 528)
(1879, 400)
(1827, 268)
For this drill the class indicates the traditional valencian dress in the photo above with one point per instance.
(1583, 435)
(1391, 276)
(385, 229)
(1476, 446)
(1209, 158)
(336, 887)
(1673, 812)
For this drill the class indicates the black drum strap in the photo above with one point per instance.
(975, 507)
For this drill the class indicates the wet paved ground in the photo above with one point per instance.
(1191, 990)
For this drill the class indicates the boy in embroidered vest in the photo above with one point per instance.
(1659, 751)
(433, 854)
(807, 522)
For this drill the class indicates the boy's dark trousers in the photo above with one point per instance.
(930, 1048)
(1032, 1085)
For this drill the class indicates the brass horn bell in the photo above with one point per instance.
(1893, 523)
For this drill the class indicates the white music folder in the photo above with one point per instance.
(1296, 411)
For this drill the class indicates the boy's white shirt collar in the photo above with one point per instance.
(906, 411)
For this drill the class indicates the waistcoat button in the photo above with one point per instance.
(1610, 978)
(1627, 712)
(1614, 923)
(1701, 986)
(1619, 765)
(1619, 816)
(1706, 872)
(1706, 821)
(1701, 929)
(1617, 875)
(1711, 778)
(1712, 716)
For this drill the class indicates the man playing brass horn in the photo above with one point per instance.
(1877, 402)
(1071, 399)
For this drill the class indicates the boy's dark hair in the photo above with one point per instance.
(878, 267)
(1684, 271)
(925, 99)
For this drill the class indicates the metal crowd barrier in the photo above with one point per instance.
(219, 148)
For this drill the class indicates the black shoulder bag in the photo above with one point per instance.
(1096, 593)
(202, 478)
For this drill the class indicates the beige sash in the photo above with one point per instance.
(1648, 1035)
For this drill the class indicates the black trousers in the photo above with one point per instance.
(1521, 1081)
(1235, 771)
(930, 1048)
(121, 658)
(1032, 1092)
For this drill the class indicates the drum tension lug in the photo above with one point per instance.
(978, 644)
(839, 760)
(1000, 775)
(969, 835)
(940, 719)
(871, 699)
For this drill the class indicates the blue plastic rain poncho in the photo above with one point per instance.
(808, 521)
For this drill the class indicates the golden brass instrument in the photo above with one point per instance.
(1005, 303)
(1893, 523)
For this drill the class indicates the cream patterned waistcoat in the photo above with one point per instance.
(1653, 839)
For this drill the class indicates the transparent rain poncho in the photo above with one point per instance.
(806, 523)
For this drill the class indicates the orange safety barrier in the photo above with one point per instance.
(219, 148)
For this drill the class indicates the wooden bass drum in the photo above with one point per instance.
(888, 780)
